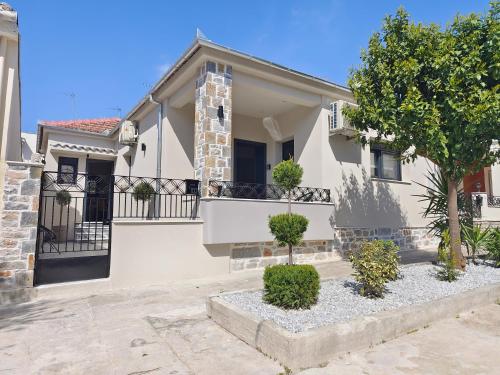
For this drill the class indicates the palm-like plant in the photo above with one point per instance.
(493, 247)
(476, 239)
(437, 207)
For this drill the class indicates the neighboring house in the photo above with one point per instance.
(28, 146)
(224, 118)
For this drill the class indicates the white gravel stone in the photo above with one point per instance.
(339, 300)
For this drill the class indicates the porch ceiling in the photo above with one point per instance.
(256, 97)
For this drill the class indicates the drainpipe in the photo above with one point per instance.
(159, 144)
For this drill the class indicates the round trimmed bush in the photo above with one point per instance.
(291, 286)
(143, 191)
(63, 197)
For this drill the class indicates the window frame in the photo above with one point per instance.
(379, 151)
(66, 160)
(292, 141)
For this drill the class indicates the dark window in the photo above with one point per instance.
(67, 170)
(287, 150)
(385, 163)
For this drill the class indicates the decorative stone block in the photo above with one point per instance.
(18, 228)
(245, 256)
(212, 159)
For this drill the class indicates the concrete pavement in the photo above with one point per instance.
(165, 330)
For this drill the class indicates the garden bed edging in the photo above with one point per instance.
(316, 346)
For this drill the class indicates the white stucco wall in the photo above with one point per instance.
(157, 252)
(52, 155)
(495, 179)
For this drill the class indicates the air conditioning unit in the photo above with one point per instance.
(128, 133)
(338, 124)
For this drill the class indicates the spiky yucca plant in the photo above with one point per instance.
(476, 239)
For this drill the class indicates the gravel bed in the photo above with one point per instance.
(339, 300)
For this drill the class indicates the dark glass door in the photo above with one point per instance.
(250, 168)
(99, 177)
(287, 150)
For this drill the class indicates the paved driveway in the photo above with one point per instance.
(164, 330)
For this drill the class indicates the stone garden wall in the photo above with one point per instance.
(414, 238)
(247, 256)
(18, 222)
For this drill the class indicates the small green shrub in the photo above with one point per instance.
(448, 271)
(375, 263)
(475, 239)
(288, 174)
(493, 247)
(63, 197)
(288, 229)
(143, 191)
(291, 286)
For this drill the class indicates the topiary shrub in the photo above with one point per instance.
(291, 286)
(375, 263)
(143, 191)
(288, 229)
(493, 247)
(63, 197)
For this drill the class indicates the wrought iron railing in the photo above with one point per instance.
(113, 196)
(493, 201)
(243, 190)
(172, 198)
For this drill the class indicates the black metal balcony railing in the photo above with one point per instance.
(243, 190)
(112, 196)
(173, 198)
(493, 201)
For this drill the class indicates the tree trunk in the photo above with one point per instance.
(454, 225)
(290, 249)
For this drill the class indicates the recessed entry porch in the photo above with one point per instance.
(244, 126)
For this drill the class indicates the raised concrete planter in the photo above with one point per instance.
(317, 346)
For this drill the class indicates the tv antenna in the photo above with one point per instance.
(72, 97)
(118, 110)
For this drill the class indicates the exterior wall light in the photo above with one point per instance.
(220, 113)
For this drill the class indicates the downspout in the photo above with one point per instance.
(159, 144)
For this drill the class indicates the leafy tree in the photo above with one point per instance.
(434, 93)
(289, 228)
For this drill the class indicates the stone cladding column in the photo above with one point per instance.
(213, 114)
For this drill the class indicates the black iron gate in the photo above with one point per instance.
(74, 231)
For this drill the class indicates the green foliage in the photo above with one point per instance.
(448, 271)
(493, 247)
(291, 286)
(375, 263)
(288, 229)
(288, 174)
(432, 91)
(436, 196)
(143, 191)
(476, 239)
(63, 197)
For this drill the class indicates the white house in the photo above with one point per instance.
(222, 119)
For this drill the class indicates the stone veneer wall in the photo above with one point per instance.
(18, 227)
(212, 160)
(348, 239)
(247, 256)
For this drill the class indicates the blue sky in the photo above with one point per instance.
(109, 53)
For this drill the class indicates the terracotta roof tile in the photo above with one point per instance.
(96, 125)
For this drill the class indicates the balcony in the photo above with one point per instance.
(243, 190)
(239, 212)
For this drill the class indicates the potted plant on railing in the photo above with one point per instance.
(144, 192)
(63, 199)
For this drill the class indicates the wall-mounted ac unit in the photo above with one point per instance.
(337, 122)
(128, 133)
